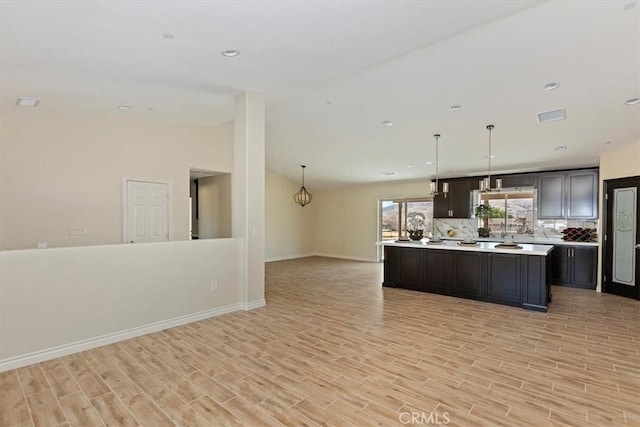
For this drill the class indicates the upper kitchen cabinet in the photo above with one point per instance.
(568, 195)
(457, 204)
(518, 180)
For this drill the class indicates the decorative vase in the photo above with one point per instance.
(484, 232)
(415, 234)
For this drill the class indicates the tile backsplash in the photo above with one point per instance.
(542, 228)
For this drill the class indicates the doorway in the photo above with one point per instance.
(621, 273)
(146, 212)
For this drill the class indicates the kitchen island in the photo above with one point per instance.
(483, 271)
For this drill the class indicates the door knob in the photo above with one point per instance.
(638, 246)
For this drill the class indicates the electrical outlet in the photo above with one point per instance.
(77, 231)
(214, 286)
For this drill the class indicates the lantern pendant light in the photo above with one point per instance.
(435, 188)
(485, 183)
(302, 197)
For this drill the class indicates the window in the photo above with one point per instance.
(394, 214)
(512, 210)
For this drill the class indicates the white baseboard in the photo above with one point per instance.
(346, 257)
(254, 304)
(88, 344)
(284, 258)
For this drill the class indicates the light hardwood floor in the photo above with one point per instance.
(334, 348)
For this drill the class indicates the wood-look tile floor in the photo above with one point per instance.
(334, 348)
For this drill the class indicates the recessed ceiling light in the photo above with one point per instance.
(387, 123)
(27, 102)
(409, 166)
(561, 148)
(429, 163)
(551, 116)
(551, 86)
(168, 36)
(632, 101)
(455, 108)
(124, 107)
(230, 53)
(487, 156)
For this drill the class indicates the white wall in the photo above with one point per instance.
(618, 163)
(57, 301)
(248, 191)
(55, 174)
(346, 218)
(214, 207)
(289, 227)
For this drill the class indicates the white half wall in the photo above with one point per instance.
(63, 300)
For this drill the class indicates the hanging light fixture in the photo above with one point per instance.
(435, 188)
(302, 197)
(485, 183)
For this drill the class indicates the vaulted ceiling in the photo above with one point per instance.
(335, 71)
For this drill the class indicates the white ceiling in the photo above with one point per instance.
(333, 71)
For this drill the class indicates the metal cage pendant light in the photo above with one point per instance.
(435, 188)
(302, 197)
(485, 183)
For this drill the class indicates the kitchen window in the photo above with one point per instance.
(393, 216)
(512, 209)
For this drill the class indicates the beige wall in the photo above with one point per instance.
(61, 300)
(618, 163)
(621, 162)
(58, 174)
(214, 207)
(289, 227)
(346, 218)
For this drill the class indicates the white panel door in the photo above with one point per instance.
(147, 212)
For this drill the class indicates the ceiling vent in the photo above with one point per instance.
(390, 173)
(552, 116)
(27, 102)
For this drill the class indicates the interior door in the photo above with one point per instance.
(622, 237)
(147, 212)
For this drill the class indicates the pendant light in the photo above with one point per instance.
(435, 188)
(302, 197)
(485, 184)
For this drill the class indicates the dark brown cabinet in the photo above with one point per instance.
(467, 274)
(522, 180)
(574, 266)
(406, 268)
(550, 196)
(568, 195)
(457, 204)
(582, 195)
(438, 272)
(504, 274)
(511, 279)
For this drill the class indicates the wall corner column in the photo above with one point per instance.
(248, 187)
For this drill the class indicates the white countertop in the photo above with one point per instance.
(529, 240)
(526, 248)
